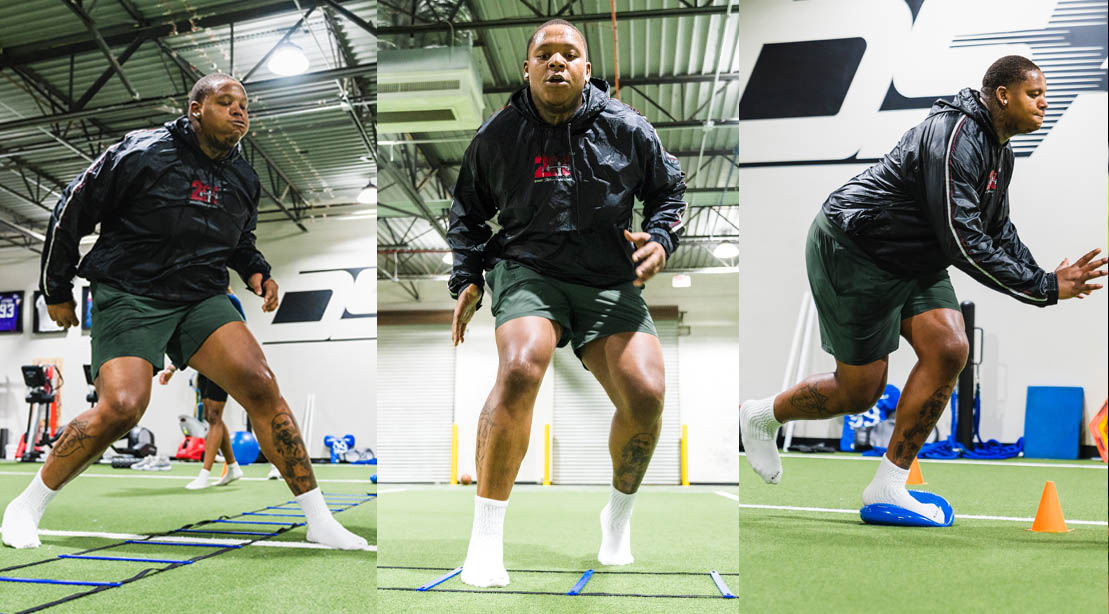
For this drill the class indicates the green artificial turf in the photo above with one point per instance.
(241, 581)
(794, 561)
(556, 529)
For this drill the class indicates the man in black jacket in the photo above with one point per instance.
(877, 258)
(561, 165)
(176, 206)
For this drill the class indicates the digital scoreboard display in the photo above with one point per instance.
(11, 312)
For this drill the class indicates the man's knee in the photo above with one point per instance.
(121, 410)
(644, 396)
(213, 412)
(258, 387)
(522, 374)
(949, 354)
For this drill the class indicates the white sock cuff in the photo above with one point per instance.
(482, 501)
(891, 473)
(233, 466)
(313, 505)
(38, 494)
(621, 500)
(205, 472)
(762, 415)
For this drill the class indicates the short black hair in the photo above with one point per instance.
(1005, 72)
(557, 22)
(207, 84)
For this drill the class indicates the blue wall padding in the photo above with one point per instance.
(1052, 421)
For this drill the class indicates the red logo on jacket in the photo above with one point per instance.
(204, 193)
(993, 181)
(552, 168)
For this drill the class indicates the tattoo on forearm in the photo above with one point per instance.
(484, 425)
(73, 439)
(293, 455)
(810, 402)
(916, 434)
(634, 459)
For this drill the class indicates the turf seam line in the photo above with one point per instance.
(515, 592)
(830, 510)
(571, 571)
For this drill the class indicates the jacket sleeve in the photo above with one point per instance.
(953, 165)
(246, 259)
(468, 232)
(83, 203)
(661, 190)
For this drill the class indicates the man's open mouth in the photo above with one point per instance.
(557, 79)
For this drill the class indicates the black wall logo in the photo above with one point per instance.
(807, 79)
(339, 308)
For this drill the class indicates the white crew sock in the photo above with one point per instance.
(616, 529)
(484, 564)
(22, 516)
(888, 486)
(200, 482)
(759, 430)
(234, 472)
(322, 526)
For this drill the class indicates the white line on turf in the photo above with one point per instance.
(141, 476)
(727, 495)
(792, 508)
(205, 540)
(958, 461)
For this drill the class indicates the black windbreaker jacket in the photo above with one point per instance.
(171, 220)
(941, 197)
(564, 193)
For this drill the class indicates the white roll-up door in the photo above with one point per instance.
(415, 402)
(583, 415)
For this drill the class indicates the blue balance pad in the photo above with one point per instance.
(887, 513)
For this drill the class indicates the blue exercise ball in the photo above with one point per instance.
(245, 447)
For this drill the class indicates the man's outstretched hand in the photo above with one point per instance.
(1072, 278)
(464, 310)
(267, 290)
(649, 256)
(64, 314)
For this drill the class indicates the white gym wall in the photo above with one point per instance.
(339, 372)
(706, 402)
(1057, 195)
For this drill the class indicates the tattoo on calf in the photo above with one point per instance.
(484, 425)
(916, 434)
(809, 401)
(634, 459)
(73, 439)
(294, 456)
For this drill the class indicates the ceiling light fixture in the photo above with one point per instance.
(726, 250)
(368, 195)
(287, 60)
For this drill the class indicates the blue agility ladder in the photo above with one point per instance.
(342, 502)
(575, 591)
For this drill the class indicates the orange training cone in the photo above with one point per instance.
(916, 478)
(1049, 516)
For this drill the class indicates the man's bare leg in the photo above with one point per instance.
(630, 368)
(232, 358)
(123, 388)
(525, 347)
(849, 389)
(939, 339)
(217, 440)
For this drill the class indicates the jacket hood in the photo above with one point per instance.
(182, 130)
(970, 104)
(595, 97)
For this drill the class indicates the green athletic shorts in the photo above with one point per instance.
(125, 324)
(585, 313)
(859, 304)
